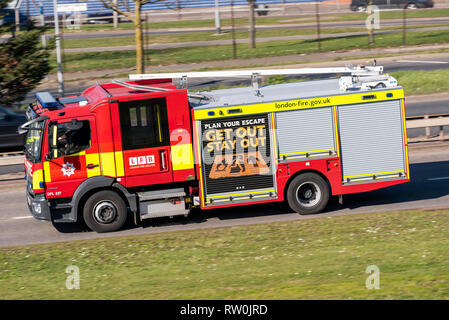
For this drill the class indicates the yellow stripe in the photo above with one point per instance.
(182, 157)
(47, 174)
(119, 164)
(95, 160)
(310, 151)
(273, 123)
(371, 179)
(337, 141)
(198, 142)
(82, 153)
(55, 135)
(372, 174)
(405, 140)
(159, 123)
(108, 164)
(38, 177)
(239, 194)
(300, 104)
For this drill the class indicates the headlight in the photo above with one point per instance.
(37, 208)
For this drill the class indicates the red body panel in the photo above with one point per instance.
(147, 166)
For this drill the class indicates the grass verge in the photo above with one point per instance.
(208, 36)
(82, 61)
(423, 82)
(322, 258)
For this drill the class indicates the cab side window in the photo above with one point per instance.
(144, 124)
(72, 138)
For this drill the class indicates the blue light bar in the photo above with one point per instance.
(46, 100)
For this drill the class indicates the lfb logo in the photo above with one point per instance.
(142, 160)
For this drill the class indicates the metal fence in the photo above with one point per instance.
(31, 7)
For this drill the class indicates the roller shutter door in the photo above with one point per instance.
(305, 133)
(372, 140)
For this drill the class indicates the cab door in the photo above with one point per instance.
(145, 142)
(65, 169)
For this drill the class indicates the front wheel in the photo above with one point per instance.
(105, 211)
(308, 194)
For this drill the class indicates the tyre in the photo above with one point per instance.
(360, 9)
(105, 211)
(308, 193)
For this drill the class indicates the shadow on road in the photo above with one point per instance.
(419, 188)
(71, 227)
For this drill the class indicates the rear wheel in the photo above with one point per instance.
(308, 194)
(105, 211)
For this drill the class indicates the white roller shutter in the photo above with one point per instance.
(371, 140)
(305, 133)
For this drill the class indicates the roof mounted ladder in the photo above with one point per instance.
(153, 89)
(256, 74)
(138, 87)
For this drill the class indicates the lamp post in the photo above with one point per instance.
(58, 49)
(217, 17)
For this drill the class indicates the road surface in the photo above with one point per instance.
(429, 188)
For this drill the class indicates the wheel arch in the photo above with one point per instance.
(94, 185)
(301, 172)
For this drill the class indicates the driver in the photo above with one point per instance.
(70, 141)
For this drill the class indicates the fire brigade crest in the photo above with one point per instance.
(68, 169)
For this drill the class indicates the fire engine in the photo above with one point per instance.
(147, 148)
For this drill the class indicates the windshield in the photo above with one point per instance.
(34, 141)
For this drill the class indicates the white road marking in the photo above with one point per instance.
(438, 178)
(2, 220)
(20, 218)
(424, 61)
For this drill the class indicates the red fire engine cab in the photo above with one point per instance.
(145, 148)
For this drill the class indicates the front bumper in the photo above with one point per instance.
(38, 206)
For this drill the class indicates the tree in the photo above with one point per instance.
(23, 61)
(136, 17)
(252, 24)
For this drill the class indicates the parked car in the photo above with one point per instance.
(360, 5)
(9, 122)
(99, 18)
(9, 17)
(261, 9)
